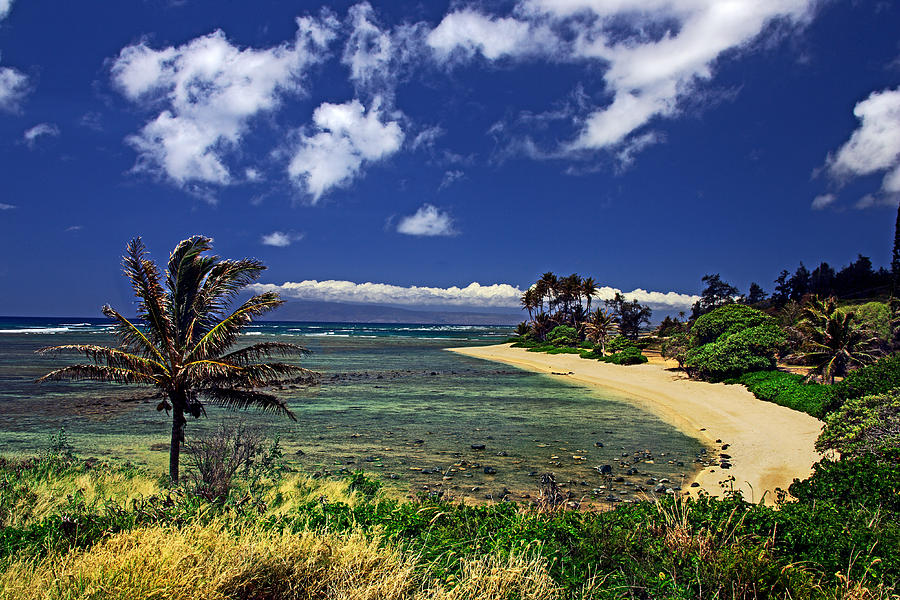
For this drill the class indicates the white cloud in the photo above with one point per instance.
(654, 52)
(74, 228)
(347, 136)
(280, 239)
(875, 145)
(4, 206)
(39, 130)
(427, 221)
(209, 90)
(13, 84)
(368, 50)
(820, 202)
(474, 294)
(466, 32)
(450, 177)
(427, 137)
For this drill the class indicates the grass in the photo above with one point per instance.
(293, 536)
(789, 389)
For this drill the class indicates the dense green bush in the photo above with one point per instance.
(725, 321)
(880, 377)
(732, 354)
(870, 481)
(619, 343)
(788, 389)
(629, 356)
(563, 335)
(867, 425)
(874, 317)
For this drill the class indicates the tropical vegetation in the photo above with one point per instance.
(181, 344)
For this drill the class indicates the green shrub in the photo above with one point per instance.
(629, 356)
(564, 351)
(733, 354)
(586, 344)
(727, 320)
(874, 317)
(563, 335)
(867, 425)
(788, 389)
(541, 348)
(880, 377)
(867, 481)
(619, 343)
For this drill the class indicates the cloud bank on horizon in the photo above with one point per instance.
(474, 295)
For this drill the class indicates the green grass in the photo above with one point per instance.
(266, 538)
(789, 389)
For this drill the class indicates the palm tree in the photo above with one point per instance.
(600, 328)
(528, 301)
(181, 347)
(588, 288)
(834, 343)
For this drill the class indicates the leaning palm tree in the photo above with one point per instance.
(834, 344)
(588, 288)
(181, 346)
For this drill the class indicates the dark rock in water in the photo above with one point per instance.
(502, 453)
(619, 480)
(695, 484)
(723, 455)
(490, 471)
(434, 373)
(631, 471)
(625, 454)
(604, 469)
(477, 446)
(427, 471)
(532, 473)
(598, 444)
(299, 452)
(419, 442)
(660, 489)
(651, 481)
(393, 476)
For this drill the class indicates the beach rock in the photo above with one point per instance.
(725, 446)
(725, 465)
(619, 480)
(631, 471)
(723, 455)
(604, 469)
(695, 484)
(502, 453)
(598, 444)
(477, 446)
(490, 471)
(299, 452)
(660, 489)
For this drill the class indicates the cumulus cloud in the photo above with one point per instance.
(40, 130)
(13, 84)
(347, 136)
(466, 32)
(428, 221)
(654, 52)
(874, 147)
(500, 295)
(369, 49)
(823, 201)
(208, 90)
(280, 239)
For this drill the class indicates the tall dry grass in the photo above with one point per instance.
(220, 561)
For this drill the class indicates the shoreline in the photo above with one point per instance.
(767, 445)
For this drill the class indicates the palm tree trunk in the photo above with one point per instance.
(178, 423)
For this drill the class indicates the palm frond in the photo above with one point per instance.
(264, 350)
(211, 373)
(245, 399)
(145, 278)
(185, 274)
(131, 336)
(224, 334)
(224, 281)
(112, 357)
(98, 373)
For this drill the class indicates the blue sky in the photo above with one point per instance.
(421, 147)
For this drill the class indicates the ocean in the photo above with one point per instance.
(392, 402)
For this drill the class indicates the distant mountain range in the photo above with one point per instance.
(337, 312)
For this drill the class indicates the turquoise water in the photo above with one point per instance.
(392, 402)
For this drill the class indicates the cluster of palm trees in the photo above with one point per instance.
(553, 301)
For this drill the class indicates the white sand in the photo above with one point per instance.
(769, 445)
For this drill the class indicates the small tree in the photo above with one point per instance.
(181, 345)
(834, 344)
(600, 328)
(716, 293)
(631, 316)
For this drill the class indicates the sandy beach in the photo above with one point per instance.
(768, 445)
